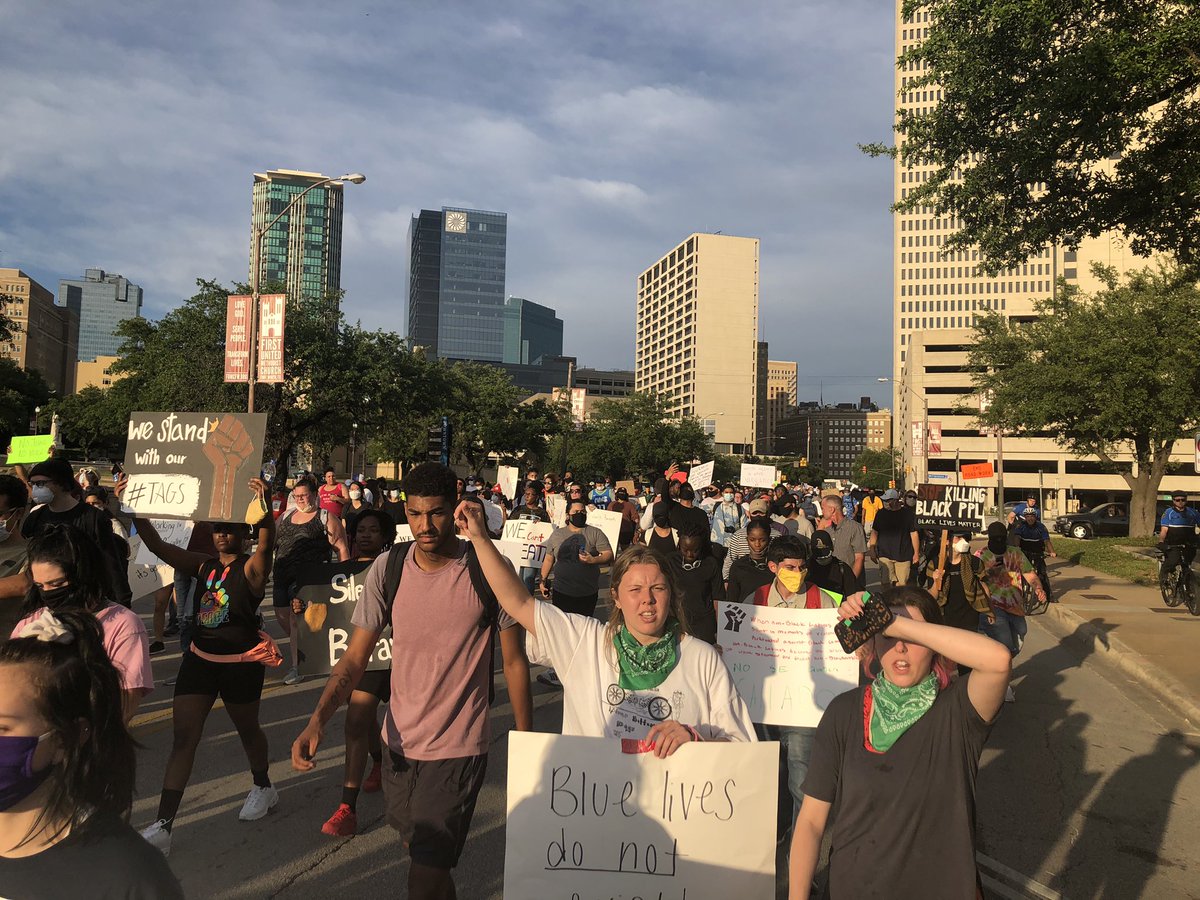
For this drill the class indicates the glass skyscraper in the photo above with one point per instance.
(531, 331)
(102, 301)
(456, 283)
(303, 250)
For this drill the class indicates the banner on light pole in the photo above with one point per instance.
(237, 339)
(270, 338)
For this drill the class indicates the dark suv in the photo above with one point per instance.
(1105, 520)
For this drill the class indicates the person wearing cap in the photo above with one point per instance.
(53, 488)
(894, 545)
(826, 570)
(1177, 534)
(738, 545)
(630, 517)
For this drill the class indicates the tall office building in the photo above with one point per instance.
(782, 395)
(531, 331)
(456, 264)
(303, 250)
(101, 301)
(697, 335)
(939, 296)
(46, 336)
(831, 438)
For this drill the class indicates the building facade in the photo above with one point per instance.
(303, 250)
(531, 331)
(46, 336)
(456, 273)
(96, 373)
(697, 335)
(605, 382)
(100, 301)
(782, 395)
(831, 438)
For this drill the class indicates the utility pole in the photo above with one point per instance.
(562, 456)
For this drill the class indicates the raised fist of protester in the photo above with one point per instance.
(227, 447)
(668, 737)
(469, 519)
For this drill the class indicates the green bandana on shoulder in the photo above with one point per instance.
(643, 668)
(894, 710)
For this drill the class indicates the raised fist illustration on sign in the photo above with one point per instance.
(227, 447)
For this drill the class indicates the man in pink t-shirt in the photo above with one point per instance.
(436, 728)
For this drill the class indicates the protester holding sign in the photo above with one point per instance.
(444, 618)
(899, 759)
(641, 678)
(227, 659)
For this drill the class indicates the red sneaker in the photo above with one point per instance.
(373, 783)
(343, 823)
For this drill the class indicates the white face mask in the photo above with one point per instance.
(728, 498)
(395, 495)
(961, 546)
(41, 493)
(356, 494)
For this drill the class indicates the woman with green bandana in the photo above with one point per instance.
(898, 759)
(641, 678)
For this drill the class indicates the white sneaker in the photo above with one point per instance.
(258, 802)
(158, 837)
(293, 676)
(1009, 696)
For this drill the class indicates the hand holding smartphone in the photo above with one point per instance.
(875, 617)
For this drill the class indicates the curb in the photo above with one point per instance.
(1114, 652)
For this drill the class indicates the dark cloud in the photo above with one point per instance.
(608, 132)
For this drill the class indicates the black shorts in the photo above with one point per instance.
(238, 682)
(580, 605)
(283, 588)
(431, 802)
(377, 683)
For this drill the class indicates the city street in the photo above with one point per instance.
(1089, 787)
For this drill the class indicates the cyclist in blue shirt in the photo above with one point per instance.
(1018, 513)
(1030, 529)
(1177, 531)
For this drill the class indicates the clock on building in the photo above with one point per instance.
(456, 222)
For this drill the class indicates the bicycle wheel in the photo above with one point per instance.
(1189, 591)
(1029, 601)
(1169, 585)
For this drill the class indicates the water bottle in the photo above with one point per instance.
(268, 471)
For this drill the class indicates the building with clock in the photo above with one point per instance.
(456, 297)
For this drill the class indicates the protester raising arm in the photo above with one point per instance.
(504, 582)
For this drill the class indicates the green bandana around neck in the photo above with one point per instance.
(645, 667)
(894, 709)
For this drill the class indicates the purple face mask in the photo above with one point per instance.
(17, 778)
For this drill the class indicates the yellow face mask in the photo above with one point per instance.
(790, 579)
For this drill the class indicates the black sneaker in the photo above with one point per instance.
(171, 630)
(157, 647)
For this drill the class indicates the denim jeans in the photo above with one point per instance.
(795, 751)
(1008, 629)
(529, 575)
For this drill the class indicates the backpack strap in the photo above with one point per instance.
(491, 615)
(392, 573)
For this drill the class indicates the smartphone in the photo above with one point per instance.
(853, 633)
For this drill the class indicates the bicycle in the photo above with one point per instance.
(1176, 584)
(1035, 552)
(1029, 599)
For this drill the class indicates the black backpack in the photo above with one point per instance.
(489, 619)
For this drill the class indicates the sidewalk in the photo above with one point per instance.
(1131, 628)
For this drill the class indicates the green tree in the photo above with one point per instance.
(1053, 122)
(8, 327)
(21, 391)
(881, 467)
(94, 420)
(1110, 373)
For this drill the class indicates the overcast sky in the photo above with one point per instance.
(607, 132)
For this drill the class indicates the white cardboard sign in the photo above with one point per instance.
(521, 541)
(757, 476)
(586, 821)
(176, 532)
(701, 476)
(786, 663)
(506, 477)
(609, 522)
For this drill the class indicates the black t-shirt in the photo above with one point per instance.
(226, 610)
(835, 576)
(958, 612)
(664, 545)
(395, 509)
(895, 528)
(745, 577)
(903, 822)
(97, 526)
(701, 586)
(693, 519)
(106, 861)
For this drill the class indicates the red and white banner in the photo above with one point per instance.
(237, 339)
(270, 337)
(918, 439)
(935, 438)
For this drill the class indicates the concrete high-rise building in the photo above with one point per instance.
(831, 438)
(46, 336)
(762, 423)
(531, 331)
(98, 373)
(782, 395)
(303, 250)
(100, 301)
(456, 268)
(697, 335)
(939, 296)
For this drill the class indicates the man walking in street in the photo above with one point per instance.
(894, 543)
(870, 506)
(849, 542)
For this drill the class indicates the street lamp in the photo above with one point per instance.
(37, 410)
(924, 420)
(255, 257)
(353, 446)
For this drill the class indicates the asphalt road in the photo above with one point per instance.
(1088, 788)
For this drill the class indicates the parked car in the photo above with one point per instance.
(1105, 520)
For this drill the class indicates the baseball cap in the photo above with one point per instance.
(471, 485)
(759, 506)
(891, 494)
(1174, 494)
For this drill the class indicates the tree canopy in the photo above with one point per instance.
(881, 468)
(1048, 123)
(1108, 373)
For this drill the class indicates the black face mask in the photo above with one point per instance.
(823, 560)
(578, 519)
(662, 521)
(54, 597)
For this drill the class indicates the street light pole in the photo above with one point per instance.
(256, 263)
(924, 422)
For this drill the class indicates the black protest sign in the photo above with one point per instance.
(331, 591)
(193, 465)
(951, 506)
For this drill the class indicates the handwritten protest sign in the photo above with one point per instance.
(609, 522)
(521, 541)
(951, 506)
(506, 477)
(757, 476)
(30, 448)
(192, 465)
(331, 591)
(145, 580)
(586, 821)
(176, 532)
(404, 534)
(701, 476)
(786, 663)
(556, 506)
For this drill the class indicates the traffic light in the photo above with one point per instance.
(439, 440)
(803, 462)
(892, 484)
(864, 468)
